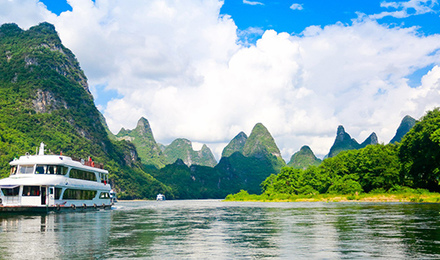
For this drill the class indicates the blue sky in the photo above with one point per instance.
(294, 16)
(207, 69)
(282, 17)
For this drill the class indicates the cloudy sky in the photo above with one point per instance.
(207, 69)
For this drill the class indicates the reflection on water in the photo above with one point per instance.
(201, 229)
(54, 236)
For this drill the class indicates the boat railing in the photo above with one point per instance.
(89, 163)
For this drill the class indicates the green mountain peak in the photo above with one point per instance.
(344, 142)
(260, 142)
(405, 125)
(372, 139)
(181, 148)
(235, 145)
(303, 158)
(142, 137)
(44, 97)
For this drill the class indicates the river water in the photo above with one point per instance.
(212, 229)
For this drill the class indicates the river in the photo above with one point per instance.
(213, 229)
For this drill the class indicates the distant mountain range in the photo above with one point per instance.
(158, 155)
(245, 162)
(45, 98)
(344, 142)
(182, 149)
(260, 143)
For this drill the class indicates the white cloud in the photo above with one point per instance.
(252, 2)
(26, 13)
(179, 65)
(408, 8)
(296, 7)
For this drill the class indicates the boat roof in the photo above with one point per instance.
(53, 160)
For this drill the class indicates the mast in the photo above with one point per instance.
(41, 151)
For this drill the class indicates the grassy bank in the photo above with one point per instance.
(413, 196)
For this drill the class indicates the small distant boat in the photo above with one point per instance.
(160, 197)
(113, 197)
(43, 183)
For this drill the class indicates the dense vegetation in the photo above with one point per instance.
(44, 97)
(303, 159)
(146, 146)
(413, 165)
(245, 164)
(182, 149)
(202, 182)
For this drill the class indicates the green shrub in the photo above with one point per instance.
(397, 189)
(345, 186)
(307, 190)
(378, 191)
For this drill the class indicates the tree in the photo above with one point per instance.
(378, 167)
(419, 153)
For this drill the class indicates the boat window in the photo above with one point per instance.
(104, 195)
(103, 177)
(83, 175)
(11, 192)
(58, 193)
(40, 169)
(13, 170)
(31, 190)
(60, 170)
(50, 169)
(71, 194)
(26, 169)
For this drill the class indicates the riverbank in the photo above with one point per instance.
(428, 197)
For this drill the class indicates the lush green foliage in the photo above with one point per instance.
(235, 145)
(404, 127)
(409, 167)
(420, 153)
(229, 176)
(234, 172)
(182, 149)
(363, 170)
(304, 158)
(194, 182)
(143, 139)
(44, 97)
(261, 143)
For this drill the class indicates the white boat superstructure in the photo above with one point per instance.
(160, 197)
(54, 182)
(113, 197)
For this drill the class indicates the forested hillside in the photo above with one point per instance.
(252, 160)
(410, 165)
(44, 97)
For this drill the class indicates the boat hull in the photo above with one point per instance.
(46, 209)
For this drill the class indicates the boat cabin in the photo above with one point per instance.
(53, 180)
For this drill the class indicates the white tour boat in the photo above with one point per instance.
(42, 183)
(113, 197)
(160, 197)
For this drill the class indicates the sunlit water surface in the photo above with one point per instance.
(212, 229)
